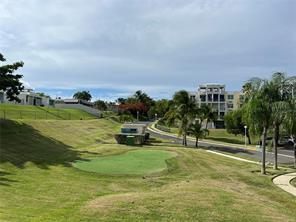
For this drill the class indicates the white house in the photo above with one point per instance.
(29, 97)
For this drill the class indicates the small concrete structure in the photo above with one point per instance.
(132, 134)
(132, 128)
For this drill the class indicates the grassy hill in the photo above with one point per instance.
(39, 183)
(11, 111)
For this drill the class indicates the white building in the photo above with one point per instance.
(29, 97)
(218, 98)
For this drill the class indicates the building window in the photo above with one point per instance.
(215, 97)
(215, 106)
(229, 106)
(222, 98)
(230, 97)
(210, 98)
(202, 98)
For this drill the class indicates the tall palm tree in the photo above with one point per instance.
(183, 110)
(208, 114)
(280, 96)
(195, 129)
(290, 121)
(258, 108)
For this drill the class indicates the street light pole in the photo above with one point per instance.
(155, 116)
(245, 135)
(137, 115)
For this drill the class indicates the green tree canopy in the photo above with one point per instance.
(195, 129)
(83, 95)
(9, 82)
(182, 110)
(235, 124)
(100, 105)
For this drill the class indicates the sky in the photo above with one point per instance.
(115, 47)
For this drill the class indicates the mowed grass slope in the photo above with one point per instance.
(11, 111)
(38, 182)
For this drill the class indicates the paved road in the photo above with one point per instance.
(284, 156)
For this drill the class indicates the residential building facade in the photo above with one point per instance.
(28, 97)
(218, 98)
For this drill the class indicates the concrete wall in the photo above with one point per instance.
(87, 109)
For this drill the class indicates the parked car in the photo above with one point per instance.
(286, 141)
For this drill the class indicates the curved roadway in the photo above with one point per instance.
(284, 156)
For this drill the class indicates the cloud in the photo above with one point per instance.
(161, 46)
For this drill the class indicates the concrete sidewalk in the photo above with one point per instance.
(283, 182)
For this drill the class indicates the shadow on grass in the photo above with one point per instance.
(5, 181)
(20, 144)
(226, 140)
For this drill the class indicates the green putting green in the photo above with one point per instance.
(133, 162)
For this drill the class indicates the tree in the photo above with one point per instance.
(259, 100)
(280, 96)
(142, 97)
(100, 105)
(235, 125)
(9, 82)
(208, 114)
(183, 110)
(83, 95)
(137, 104)
(121, 100)
(195, 129)
(160, 108)
(290, 121)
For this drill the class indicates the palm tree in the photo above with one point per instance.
(183, 110)
(195, 129)
(208, 114)
(291, 125)
(290, 121)
(258, 110)
(280, 96)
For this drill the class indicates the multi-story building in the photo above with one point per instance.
(218, 98)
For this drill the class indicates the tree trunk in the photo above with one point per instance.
(185, 139)
(294, 154)
(263, 167)
(196, 142)
(275, 146)
(249, 138)
(207, 121)
(294, 140)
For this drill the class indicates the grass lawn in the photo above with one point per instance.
(39, 183)
(223, 136)
(11, 111)
(138, 162)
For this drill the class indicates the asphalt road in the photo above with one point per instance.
(284, 156)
